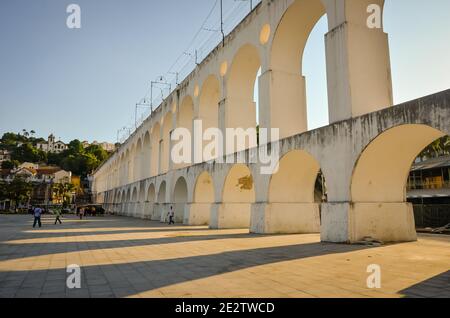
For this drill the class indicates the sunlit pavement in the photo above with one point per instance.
(123, 257)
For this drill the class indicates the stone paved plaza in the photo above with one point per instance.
(123, 257)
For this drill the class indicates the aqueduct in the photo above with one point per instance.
(364, 155)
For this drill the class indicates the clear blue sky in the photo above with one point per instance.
(84, 83)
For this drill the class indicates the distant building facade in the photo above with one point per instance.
(37, 174)
(428, 190)
(109, 147)
(429, 181)
(42, 178)
(52, 146)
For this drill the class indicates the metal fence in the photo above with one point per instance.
(432, 215)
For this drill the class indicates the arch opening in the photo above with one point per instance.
(428, 185)
(146, 156)
(180, 196)
(137, 161)
(285, 82)
(151, 194)
(240, 103)
(379, 183)
(204, 198)
(314, 72)
(185, 120)
(155, 149)
(131, 162)
(162, 193)
(295, 194)
(166, 143)
(238, 195)
(208, 111)
(128, 174)
(150, 209)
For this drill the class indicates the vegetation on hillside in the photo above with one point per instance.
(77, 159)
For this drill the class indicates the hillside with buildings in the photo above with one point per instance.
(42, 172)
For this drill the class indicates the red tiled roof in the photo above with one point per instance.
(48, 170)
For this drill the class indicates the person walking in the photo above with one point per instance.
(171, 216)
(81, 213)
(37, 217)
(57, 212)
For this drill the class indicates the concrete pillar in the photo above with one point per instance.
(130, 211)
(230, 215)
(140, 210)
(282, 102)
(163, 212)
(156, 213)
(358, 62)
(352, 222)
(179, 210)
(285, 218)
(147, 210)
(197, 214)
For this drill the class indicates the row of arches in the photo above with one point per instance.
(299, 170)
(293, 200)
(268, 53)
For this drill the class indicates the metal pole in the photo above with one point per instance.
(135, 116)
(151, 96)
(221, 22)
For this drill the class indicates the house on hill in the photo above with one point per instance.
(52, 146)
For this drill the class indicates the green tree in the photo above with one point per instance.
(75, 147)
(19, 191)
(55, 159)
(80, 165)
(9, 165)
(11, 140)
(96, 150)
(440, 147)
(27, 153)
(3, 190)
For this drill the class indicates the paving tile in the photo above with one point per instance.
(121, 260)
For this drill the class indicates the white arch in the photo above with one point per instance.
(378, 187)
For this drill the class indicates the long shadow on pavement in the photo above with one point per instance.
(436, 287)
(122, 280)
